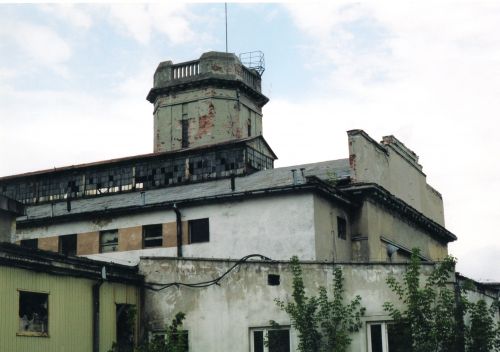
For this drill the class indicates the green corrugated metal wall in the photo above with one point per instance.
(70, 311)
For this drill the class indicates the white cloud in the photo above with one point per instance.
(142, 20)
(41, 45)
(71, 13)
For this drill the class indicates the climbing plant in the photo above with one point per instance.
(322, 323)
(483, 334)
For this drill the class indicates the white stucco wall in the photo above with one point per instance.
(278, 227)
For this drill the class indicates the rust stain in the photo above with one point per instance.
(206, 122)
(352, 164)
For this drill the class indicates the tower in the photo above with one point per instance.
(204, 102)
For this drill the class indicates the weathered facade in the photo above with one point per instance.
(210, 190)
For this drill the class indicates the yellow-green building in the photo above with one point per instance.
(54, 303)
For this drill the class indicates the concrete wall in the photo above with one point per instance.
(278, 227)
(214, 115)
(396, 168)
(218, 318)
(374, 223)
(7, 226)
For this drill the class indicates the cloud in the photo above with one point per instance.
(41, 45)
(72, 14)
(141, 20)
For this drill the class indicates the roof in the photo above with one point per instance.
(277, 180)
(13, 255)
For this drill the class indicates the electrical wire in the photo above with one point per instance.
(156, 286)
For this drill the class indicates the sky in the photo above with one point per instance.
(74, 80)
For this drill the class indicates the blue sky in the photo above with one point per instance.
(73, 82)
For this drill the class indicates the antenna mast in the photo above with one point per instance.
(225, 10)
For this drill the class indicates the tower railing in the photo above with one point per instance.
(185, 69)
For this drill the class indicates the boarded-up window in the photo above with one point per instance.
(108, 241)
(67, 245)
(33, 313)
(152, 236)
(199, 230)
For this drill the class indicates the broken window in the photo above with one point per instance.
(67, 245)
(198, 230)
(33, 313)
(108, 241)
(33, 244)
(270, 340)
(388, 337)
(125, 327)
(152, 236)
(341, 228)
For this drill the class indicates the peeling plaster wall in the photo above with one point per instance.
(7, 227)
(395, 168)
(278, 227)
(214, 115)
(218, 318)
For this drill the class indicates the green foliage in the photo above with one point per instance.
(429, 308)
(176, 339)
(322, 324)
(483, 334)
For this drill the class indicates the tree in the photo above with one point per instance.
(483, 335)
(322, 324)
(429, 308)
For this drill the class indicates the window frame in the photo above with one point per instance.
(32, 333)
(145, 240)
(62, 240)
(101, 246)
(341, 228)
(190, 231)
(265, 330)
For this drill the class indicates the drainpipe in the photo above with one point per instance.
(179, 230)
(96, 319)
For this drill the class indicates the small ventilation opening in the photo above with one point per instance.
(273, 280)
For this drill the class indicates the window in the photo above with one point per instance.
(178, 341)
(341, 228)
(108, 241)
(387, 337)
(152, 236)
(249, 127)
(278, 340)
(67, 245)
(185, 134)
(33, 244)
(33, 313)
(125, 327)
(198, 231)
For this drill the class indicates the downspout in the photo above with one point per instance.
(179, 230)
(96, 319)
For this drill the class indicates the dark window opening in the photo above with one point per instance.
(376, 337)
(67, 245)
(108, 241)
(198, 230)
(273, 280)
(341, 228)
(33, 313)
(185, 135)
(125, 327)
(399, 337)
(32, 244)
(249, 127)
(152, 236)
(276, 340)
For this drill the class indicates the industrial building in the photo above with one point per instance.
(209, 195)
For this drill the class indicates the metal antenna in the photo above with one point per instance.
(225, 8)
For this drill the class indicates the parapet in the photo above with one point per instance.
(211, 66)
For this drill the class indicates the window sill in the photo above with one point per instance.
(32, 334)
